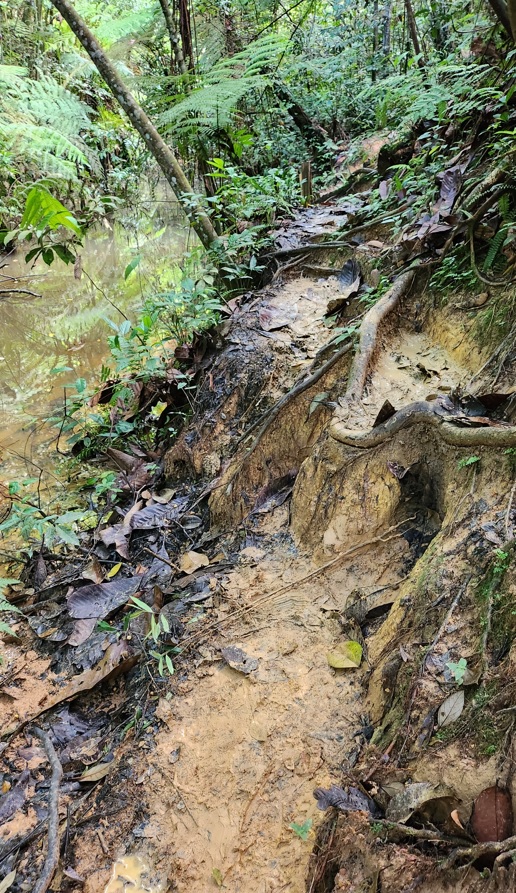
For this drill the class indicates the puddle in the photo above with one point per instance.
(131, 874)
(65, 328)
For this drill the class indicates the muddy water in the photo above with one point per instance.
(48, 342)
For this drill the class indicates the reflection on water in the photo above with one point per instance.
(65, 327)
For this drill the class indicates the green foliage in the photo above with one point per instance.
(33, 524)
(458, 670)
(159, 628)
(467, 461)
(302, 830)
(6, 608)
(42, 217)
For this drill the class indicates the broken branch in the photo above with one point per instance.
(52, 858)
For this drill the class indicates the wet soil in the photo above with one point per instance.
(222, 793)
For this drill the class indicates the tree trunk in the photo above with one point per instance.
(375, 40)
(185, 29)
(501, 12)
(167, 161)
(176, 56)
(511, 6)
(411, 21)
(386, 29)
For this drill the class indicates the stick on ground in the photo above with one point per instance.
(52, 858)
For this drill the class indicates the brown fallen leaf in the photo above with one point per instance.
(192, 561)
(492, 817)
(119, 658)
(98, 771)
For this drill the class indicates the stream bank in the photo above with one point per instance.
(305, 536)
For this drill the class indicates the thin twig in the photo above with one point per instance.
(508, 513)
(52, 858)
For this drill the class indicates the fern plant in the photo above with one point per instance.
(502, 238)
(41, 123)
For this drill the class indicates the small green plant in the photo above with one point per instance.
(302, 830)
(467, 461)
(42, 218)
(158, 627)
(458, 670)
(31, 521)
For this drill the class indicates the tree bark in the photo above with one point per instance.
(185, 29)
(386, 28)
(176, 56)
(501, 12)
(411, 21)
(166, 159)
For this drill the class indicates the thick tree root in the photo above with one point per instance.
(424, 413)
(369, 334)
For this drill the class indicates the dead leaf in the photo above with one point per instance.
(437, 800)
(450, 709)
(14, 799)
(349, 800)
(119, 658)
(95, 773)
(405, 656)
(82, 630)
(492, 817)
(238, 660)
(192, 561)
(100, 599)
(346, 655)
(349, 279)
(454, 815)
(7, 881)
(93, 571)
(155, 515)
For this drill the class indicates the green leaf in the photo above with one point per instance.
(217, 877)
(142, 605)
(303, 830)
(346, 655)
(132, 266)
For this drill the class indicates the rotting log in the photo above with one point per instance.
(424, 413)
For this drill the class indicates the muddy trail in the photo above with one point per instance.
(332, 557)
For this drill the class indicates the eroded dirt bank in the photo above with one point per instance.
(382, 516)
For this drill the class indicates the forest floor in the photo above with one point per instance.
(315, 539)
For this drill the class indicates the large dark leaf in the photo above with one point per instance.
(155, 515)
(492, 817)
(100, 599)
(350, 800)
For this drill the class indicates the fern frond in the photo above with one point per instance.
(495, 246)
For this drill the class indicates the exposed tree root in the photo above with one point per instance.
(52, 857)
(304, 385)
(424, 413)
(369, 334)
(472, 853)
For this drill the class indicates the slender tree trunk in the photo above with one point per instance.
(166, 159)
(375, 41)
(176, 56)
(185, 29)
(411, 21)
(501, 11)
(386, 28)
(511, 6)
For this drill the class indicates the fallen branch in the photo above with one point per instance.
(419, 833)
(19, 291)
(423, 413)
(52, 858)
